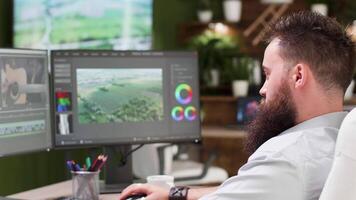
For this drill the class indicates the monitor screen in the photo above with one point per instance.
(124, 97)
(246, 109)
(83, 24)
(24, 102)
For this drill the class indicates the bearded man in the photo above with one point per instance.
(308, 65)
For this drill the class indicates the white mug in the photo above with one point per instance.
(164, 181)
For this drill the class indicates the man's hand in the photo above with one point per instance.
(152, 192)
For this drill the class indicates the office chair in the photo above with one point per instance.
(341, 182)
(156, 159)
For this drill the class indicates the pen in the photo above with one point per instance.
(88, 162)
(73, 165)
(102, 163)
(96, 163)
(88, 166)
(100, 160)
(92, 167)
(77, 167)
(69, 165)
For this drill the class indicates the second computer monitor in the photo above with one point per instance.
(24, 101)
(124, 97)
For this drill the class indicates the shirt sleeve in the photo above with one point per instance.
(262, 178)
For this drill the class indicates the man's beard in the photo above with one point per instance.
(272, 118)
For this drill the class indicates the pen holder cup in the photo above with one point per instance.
(85, 185)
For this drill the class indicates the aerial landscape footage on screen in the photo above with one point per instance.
(83, 24)
(119, 95)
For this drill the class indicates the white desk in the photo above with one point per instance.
(55, 191)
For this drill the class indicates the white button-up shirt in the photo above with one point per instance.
(291, 166)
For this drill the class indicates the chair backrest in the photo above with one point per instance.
(341, 182)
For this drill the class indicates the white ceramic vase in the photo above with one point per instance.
(320, 8)
(232, 10)
(214, 75)
(205, 16)
(240, 88)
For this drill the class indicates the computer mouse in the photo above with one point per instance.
(136, 197)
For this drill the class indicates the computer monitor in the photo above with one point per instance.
(124, 97)
(246, 109)
(24, 103)
(93, 24)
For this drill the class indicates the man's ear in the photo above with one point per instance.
(300, 73)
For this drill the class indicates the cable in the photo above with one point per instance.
(124, 157)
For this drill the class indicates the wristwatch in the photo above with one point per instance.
(178, 193)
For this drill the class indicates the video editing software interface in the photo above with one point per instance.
(24, 102)
(124, 97)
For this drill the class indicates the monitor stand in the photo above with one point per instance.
(117, 176)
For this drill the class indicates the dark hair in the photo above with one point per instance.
(318, 41)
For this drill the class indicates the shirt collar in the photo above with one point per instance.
(332, 120)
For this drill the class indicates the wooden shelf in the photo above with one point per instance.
(218, 99)
(220, 131)
(222, 90)
(219, 110)
(225, 98)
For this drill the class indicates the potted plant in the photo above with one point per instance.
(319, 6)
(210, 60)
(239, 71)
(211, 47)
(205, 13)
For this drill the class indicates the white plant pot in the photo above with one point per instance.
(232, 10)
(240, 88)
(214, 81)
(349, 91)
(205, 16)
(320, 8)
(353, 31)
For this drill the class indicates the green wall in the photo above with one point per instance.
(19, 173)
(168, 14)
(23, 172)
(27, 171)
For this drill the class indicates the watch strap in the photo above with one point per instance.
(178, 193)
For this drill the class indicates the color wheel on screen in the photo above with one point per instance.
(190, 113)
(178, 113)
(184, 93)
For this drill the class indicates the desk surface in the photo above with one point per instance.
(63, 189)
(53, 191)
